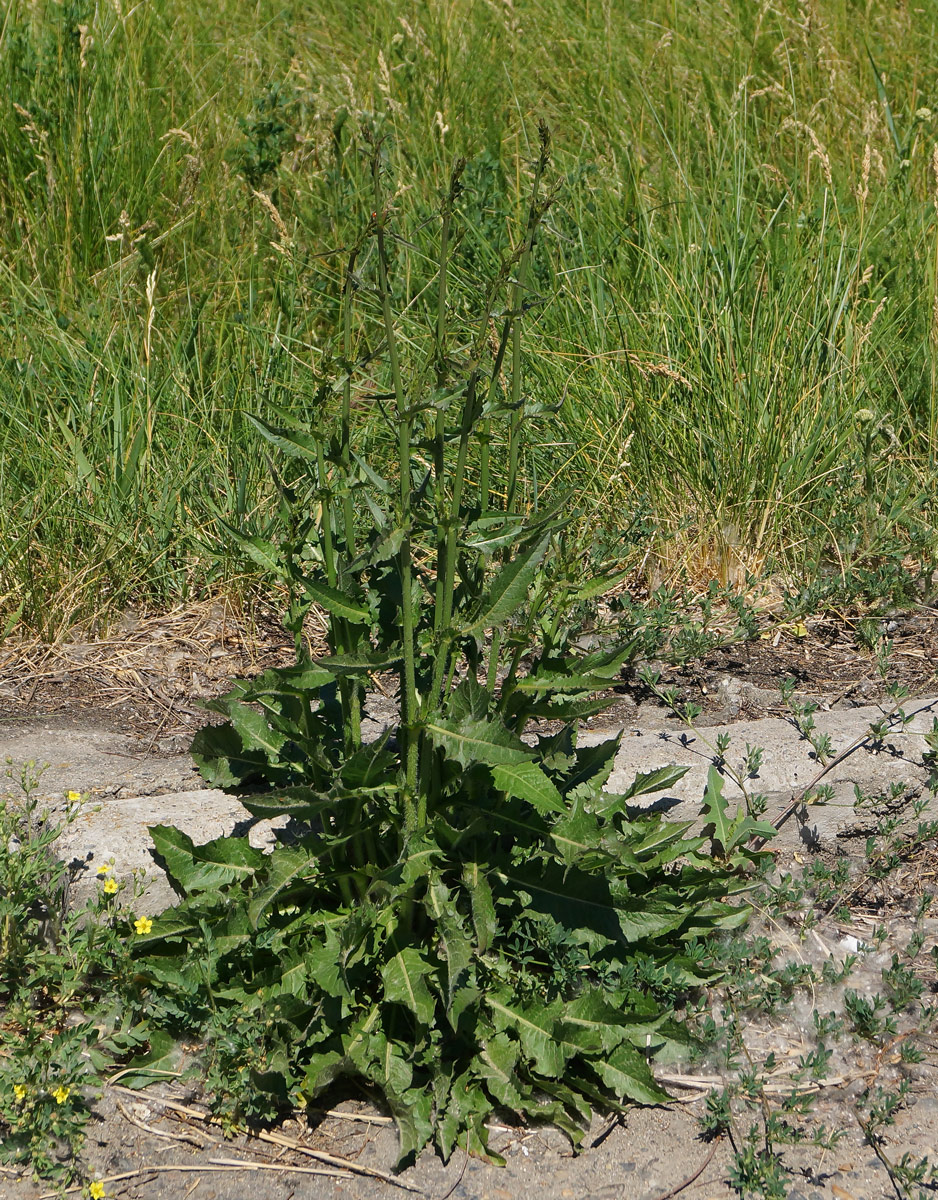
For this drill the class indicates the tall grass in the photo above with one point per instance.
(736, 314)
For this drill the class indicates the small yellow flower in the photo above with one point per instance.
(110, 887)
(73, 797)
(104, 869)
(19, 1091)
(61, 1094)
(143, 924)
(96, 1191)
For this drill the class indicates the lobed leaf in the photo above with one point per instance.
(333, 601)
(535, 1026)
(293, 443)
(471, 740)
(194, 868)
(264, 553)
(482, 905)
(508, 590)
(222, 758)
(526, 781)
(628, 1076)
(286, 867)
(404, 978)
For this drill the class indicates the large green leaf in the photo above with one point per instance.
(508, 590)
(286, 866)
(321, 962)
(482, 905)
(608, 662)
(535, 1027)
(322, 1069)
(413, 1117)
(565, 1108)
(222, 758)
(336, 602)
(591, 1024)
(370, 765)
(581, 903)
(292, 442)
(405, 982)
(454, 941)
(264, 553)
(194, 868)
(654, 781)
(626, 1073)
(468, 699)
(297, 680)
(497, 1061)
(526, 781)
(729, 833)
(561, 708)
(491, 533)
(255, 732)
(463, 1119)
(161, 1061)
(470, 740)
(297, 802)
(576, 833)
(666, 842)
(594, 764)
(361, 662)
(175, 924)
(565, 681)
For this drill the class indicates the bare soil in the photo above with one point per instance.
(150, 672)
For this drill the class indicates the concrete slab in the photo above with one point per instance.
(789, 764)
(119, 830)
(131, 790)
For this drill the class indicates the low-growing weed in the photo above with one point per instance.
(892, 1023)
(65, 984)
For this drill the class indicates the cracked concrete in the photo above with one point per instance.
(130, 788)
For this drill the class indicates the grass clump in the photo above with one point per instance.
(735, 322)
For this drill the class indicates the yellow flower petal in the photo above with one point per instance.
(19, 1091)
(61, 1094)
(143, 925)
(73, 796)
(96, 1191)
(110, 887)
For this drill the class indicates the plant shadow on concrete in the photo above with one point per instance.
(462, 920)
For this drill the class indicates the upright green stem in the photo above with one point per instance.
(439, 471)
(439, 440)
(408, 671)
(351, 690)
(341, 636)
(535, 213)
(470, 417)
(472, 409)
(328, 548)
(346, 424)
